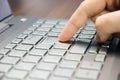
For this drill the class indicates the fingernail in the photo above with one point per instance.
(67, 33)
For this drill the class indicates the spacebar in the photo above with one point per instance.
(79, 47)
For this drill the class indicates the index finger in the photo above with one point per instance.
(87, 9)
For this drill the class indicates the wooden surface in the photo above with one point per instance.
(44, 8)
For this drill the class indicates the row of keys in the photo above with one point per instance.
(61, 72)
(54, 53)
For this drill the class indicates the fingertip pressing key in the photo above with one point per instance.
(67, 33)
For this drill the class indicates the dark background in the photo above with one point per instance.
(44, 8)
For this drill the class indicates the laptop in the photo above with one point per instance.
(29, 50)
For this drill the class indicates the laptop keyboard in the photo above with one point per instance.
(36, 54)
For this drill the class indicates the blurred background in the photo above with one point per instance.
(44, 8)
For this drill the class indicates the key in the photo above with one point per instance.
(9, 60)
(84, 36)
(32, 59)
(58, 78)
(93, 50)
(4, 51)
(89, 57)
(32, 40)
(46, 66)
(17, 74)
(90, 28)
(88, 32)
(87, 74)
(90, 24)
(61, 46)
(51, 22)
(40, 21)
(39, 33)
(63, 72)
(73, 57)
(57, 52)
(5, 67)
(59, 26)
(63, 22)
(94, 47)
(16, 53)
(46, 29)
(36, 74)
(91, 65)
(24, 47)
(47, 25)
(22, 36)
(10, 46)
(69, 64)
(100, 58)
(84, 40)
(27, 32)
(24, 66)
(53, 34)
(103, 50)
(79, 47)
(58, 30)
(50, 40)
(38, 52)
(43, 46)
(37, 24)
(53, 59)
(16, 41)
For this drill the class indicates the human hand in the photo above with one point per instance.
(104, 13)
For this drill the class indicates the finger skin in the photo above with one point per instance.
(86, 10)
(100, 14)
(107, 25)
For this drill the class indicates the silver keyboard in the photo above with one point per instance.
(36, 54)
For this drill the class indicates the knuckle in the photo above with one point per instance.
(102, 22)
